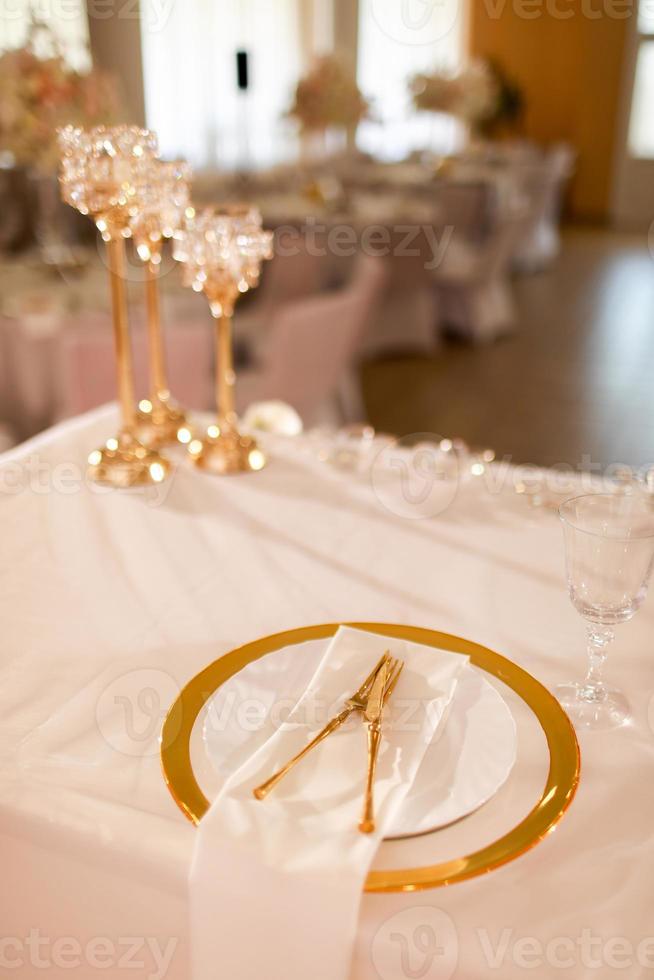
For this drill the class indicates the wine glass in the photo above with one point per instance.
(102, 175)
(222, 251)
(609, 548)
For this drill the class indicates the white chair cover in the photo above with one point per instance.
(313, 346)
(542, 183)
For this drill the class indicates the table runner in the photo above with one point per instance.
(296, 863)
(106, 595)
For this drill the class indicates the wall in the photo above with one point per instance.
(571, 70)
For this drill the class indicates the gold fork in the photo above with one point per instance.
(357, 702)
(381, 692)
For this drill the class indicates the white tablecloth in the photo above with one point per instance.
(108, 593)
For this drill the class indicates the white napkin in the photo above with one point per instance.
(276, 884)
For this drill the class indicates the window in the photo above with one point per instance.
(399, 39)
(66, 18)
(192, 97)
(641, 123)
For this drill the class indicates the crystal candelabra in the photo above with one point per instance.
(163, 207)
(102, 171)
(222, 252)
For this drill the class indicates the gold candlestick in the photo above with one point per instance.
(116, 257)
(99, 176)
(225, 376)
(165, 201)
(222, 252)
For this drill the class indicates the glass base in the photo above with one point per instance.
(158, 422)
(226, 452)
(587, 708)
(124, 462)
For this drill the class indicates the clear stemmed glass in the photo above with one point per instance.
(102, 175)
(609, 548)
(163, 205)
(222, 251)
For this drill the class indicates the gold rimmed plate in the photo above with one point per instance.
(554, 799)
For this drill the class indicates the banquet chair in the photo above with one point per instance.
(467, 206)
(473, 281)
(87, 374)
(408, 318)
(285, 279)
(542, 183)
(291, 276)
(313, 344)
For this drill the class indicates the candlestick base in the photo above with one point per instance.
(125, 462)
(224, 450)
(158, 421)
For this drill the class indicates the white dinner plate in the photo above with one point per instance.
(463, 768)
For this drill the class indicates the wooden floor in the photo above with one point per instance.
(573, 385)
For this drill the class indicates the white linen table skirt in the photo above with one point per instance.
(100, 590)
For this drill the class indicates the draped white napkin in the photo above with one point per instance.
(276, 884)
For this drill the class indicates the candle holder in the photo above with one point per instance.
(165, 201)
(222, 251)
(101, 173)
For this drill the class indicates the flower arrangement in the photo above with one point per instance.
(41, 94)
(328, 96)
(481, 95)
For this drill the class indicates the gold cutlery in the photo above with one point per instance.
(358, 702)
(382, 689)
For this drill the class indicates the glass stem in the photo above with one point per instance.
(599, 639)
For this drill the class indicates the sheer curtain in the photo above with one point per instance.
(66, 18)
(398, 39)
(192, 98)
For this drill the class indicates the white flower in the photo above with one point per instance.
(273, 416)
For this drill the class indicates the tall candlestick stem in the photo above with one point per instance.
(159, 378)
(116, 254)
(225, 376)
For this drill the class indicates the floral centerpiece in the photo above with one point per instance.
(480, 95)
(328, 96)
(41, 94)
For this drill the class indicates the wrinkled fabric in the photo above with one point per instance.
(105, 595)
